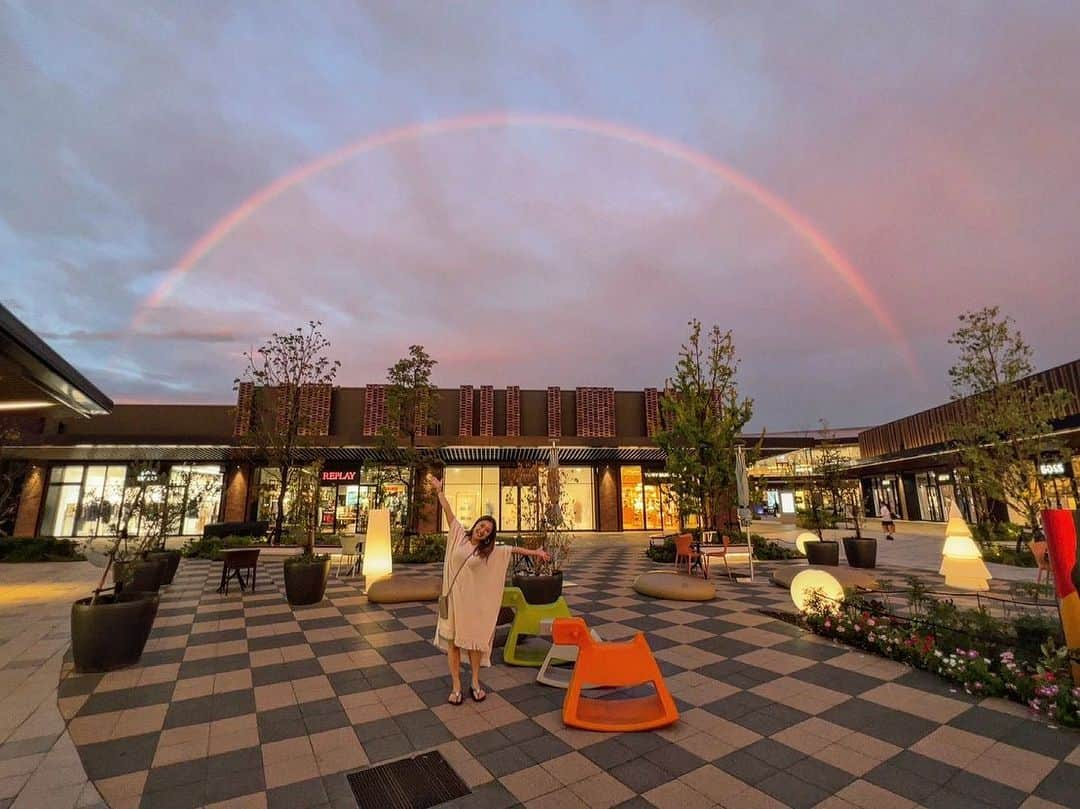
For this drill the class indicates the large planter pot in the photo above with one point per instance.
(861, 551)
(147, 575)
(825, 552)
(305, 582)
(540, 589)
(172, 563)
(112, 633)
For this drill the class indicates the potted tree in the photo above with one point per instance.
(283, 375)
(542, 583)
(847, 500)
(109, 629)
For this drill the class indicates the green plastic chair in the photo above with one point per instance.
(527, 620)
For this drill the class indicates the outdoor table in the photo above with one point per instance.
(233, 560)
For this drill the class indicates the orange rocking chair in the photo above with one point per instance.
(612, 665)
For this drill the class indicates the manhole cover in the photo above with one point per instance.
(409, 783)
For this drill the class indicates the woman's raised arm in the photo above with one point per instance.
(437, 485)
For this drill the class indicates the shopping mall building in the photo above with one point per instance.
(78, 453)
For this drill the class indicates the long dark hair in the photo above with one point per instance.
(484, 549)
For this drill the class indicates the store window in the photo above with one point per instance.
(931, 502)
(632, 498)
(648, 501)
(347, 495)
(472, 492)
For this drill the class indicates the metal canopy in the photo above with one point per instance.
(207, 453)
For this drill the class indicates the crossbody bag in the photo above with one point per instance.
(444, 601)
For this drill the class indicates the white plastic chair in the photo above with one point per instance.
(350, 548)
(550, 673)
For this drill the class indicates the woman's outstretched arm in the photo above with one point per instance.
(437, 485)
(537, 554)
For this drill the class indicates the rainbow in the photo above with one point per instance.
(674, 150)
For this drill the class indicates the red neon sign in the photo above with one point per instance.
(327, 477)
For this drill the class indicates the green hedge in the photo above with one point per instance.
(422, 548)
(211, 547)
(39, 549)
(764, 550)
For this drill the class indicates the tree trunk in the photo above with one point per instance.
(279, 518)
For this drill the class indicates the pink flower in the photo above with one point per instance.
(857, 627)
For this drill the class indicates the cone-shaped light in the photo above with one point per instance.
(961, 561)
(377, 561)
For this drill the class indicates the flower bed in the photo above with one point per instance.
(981, 662)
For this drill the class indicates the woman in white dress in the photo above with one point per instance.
(474, 574)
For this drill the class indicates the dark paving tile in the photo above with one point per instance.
(431, 736)
(896, 727)
(774, 753)
(1062, 785)
(382, 677)
(118, 757)
(728, 647)
(641, 743)
(792, 791)
(737, 705)
(268, 675)
(190, 796)
(76, 685)
(406, 651)
(521, 731)
(121, 699)
(276, 641)
(235, 784)
(640, 775)
(485, 742)
(235, 761)
(161, 657)
(299, 669)
(544, 748)
(492, 795)
(986, 792)
(380, 728)
(608, 753)
(932, 770)
(822, 775)
(771, 720)
(505, 761)
(1038, 737)
(746, 767)
(224, 636)
(348, 682)
(673, 760)
(331, 720)
(27, 747)
(902, 781)
(213, 665)
(847, 682)
(810, 650)
(317, 707)
(276, 728)
(338, 646)
(387, 747)
(177, 776)
(308, 793)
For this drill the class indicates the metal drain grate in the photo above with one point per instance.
(408, 783)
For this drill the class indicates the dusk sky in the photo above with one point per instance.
(935, 147)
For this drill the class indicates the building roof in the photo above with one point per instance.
(30, 368)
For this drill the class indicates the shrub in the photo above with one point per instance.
(764, 550)
(39, 549)
(1006, 554)
(211, 547)
(422, 548)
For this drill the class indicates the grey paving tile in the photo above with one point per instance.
(896, 727)
(234, 761)
(829, 778)
(774, 753)
(745, 767)
(520, 731)
(120, 699)
(792, 791)
(608, 753)
(235, 784)
(903, 782)
(989, 793)
(1062, 785)
(308, 793)
(674, 760)
(837, 679)
(492, 795)
(378, 729)
(27, 747)
(505, 761)
(213, 665)
(544, 748)
(387, 747)
(119, 756)
(934, 771)
(771, 719)
(640, 775)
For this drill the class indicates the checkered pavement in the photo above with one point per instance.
(242, 701)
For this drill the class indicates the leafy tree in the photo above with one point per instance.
(411, 405)
(1006, 418)
(281, 369)
(703, 417)
(834, 473)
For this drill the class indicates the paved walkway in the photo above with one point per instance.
(244, 701)
(39, 766)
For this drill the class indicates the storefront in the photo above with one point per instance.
(515, 498)
(90, 500)
(1057, 478)
(647, 501)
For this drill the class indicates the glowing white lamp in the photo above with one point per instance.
(803, 538)
(816, 581)
(961, 561)
(377, 559)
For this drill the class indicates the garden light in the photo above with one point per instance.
(813, 582)
(961, 561)
(377, 560)
(803, 538)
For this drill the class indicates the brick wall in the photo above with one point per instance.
(595, 412)
(465, 410)
(236, 494)
(652, 412)
(374, 409)
(33, 492)
(315, 409)
(513, 410)
(554, 412)
(608, 490)
(245, 400)
(487, 410)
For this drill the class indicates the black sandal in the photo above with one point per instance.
(460, 698)
(474, 691)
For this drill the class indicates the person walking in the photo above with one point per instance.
(887, 524)
(474, 574)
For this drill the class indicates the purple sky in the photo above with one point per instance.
(937, 146)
